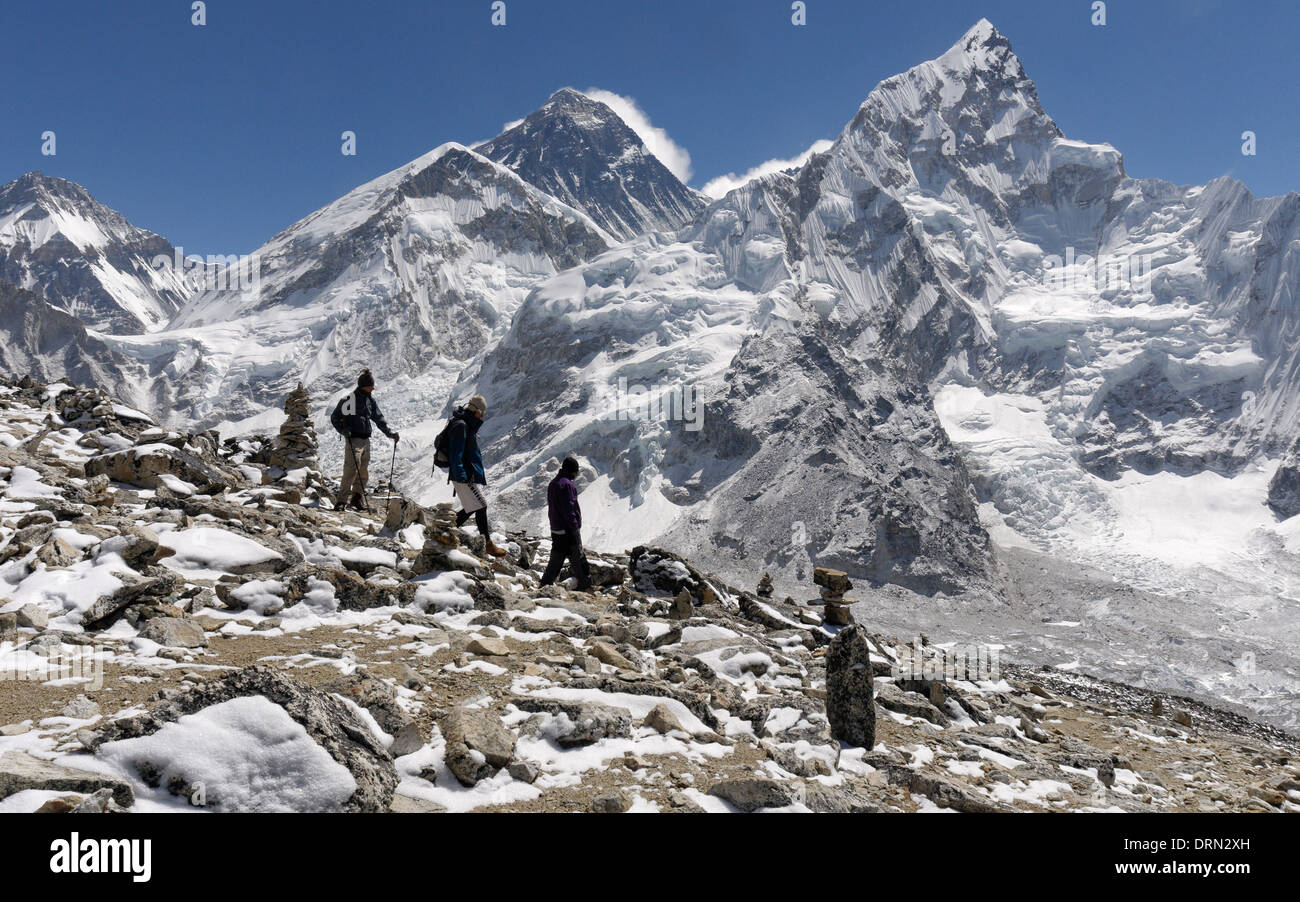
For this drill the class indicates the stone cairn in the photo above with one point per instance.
(295, 448)
(765, 586)
(834, 583)
(441, 535)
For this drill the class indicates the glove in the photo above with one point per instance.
(396, 437)
(346, 433)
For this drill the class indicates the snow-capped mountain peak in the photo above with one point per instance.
(578, 150)
(411, 274)
(56, 240)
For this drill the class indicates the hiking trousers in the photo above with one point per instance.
(473, 503)
(567, 545)
(356, 468)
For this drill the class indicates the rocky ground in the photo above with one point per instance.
(184, 623)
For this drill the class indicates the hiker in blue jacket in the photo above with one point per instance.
(566, 528)
(466, 469)
(352, 417)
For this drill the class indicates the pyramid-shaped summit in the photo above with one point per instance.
(578, 150)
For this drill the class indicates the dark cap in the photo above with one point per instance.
(365, 380)
(569, 466)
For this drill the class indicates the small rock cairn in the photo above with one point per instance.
(834, 583)
(296, 446)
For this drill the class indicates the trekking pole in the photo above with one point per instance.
(392, 467)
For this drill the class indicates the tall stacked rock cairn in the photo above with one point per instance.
(296, 447)
(834, 583)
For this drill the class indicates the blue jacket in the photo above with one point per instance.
(562, 505)
(353, 413)
(462, 448)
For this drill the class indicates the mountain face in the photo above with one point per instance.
(954, 325)
(85, 259)
(409, 275)
(954, 352)
(41, 341)
(579, 151)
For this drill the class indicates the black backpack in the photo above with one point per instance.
(442, 445)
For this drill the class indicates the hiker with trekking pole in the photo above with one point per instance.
(456, 449)
(352, 418)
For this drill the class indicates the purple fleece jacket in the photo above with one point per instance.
(562, 505)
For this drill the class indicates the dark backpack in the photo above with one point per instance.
(442, 446)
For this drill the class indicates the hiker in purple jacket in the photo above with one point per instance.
(566, 528)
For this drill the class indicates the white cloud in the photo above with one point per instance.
(509, 125)
(719, 186)
(656, 140)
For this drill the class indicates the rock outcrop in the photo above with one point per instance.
(330, 723)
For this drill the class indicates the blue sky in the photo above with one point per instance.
(217, 137)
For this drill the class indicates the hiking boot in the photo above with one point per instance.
(493, 548)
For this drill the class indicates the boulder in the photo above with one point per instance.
(435, 556)
(350, 590)
(138, 546)
(487, 646)
(98, 802)
(19, 771)
(174, 632)
(57, 554)
(615, 802)
(477, 744)
(143, 466)
(944, 793)
(606, 653)
(580, 723)
(658, 569)
(402, 512)
(524, 771)
(328, 721)
(895, 699)
(605, 573)
(159, 586)
(380, 700)
(663, 720)
(835, 582)
(80, 708)
(683, 608)
(490, 595)
(850, 703)
(752, 793)
(403, 804)
(31, 616)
